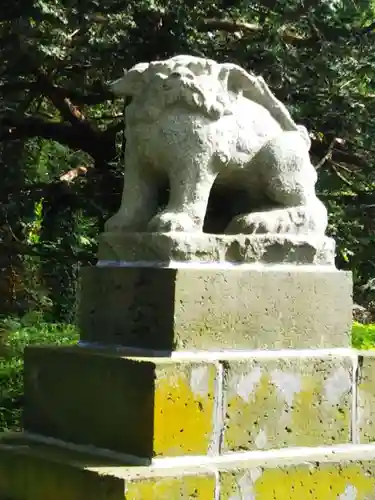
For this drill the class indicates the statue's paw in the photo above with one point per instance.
(167, 222)
(256, 223)
(272, 221)
(292, 220)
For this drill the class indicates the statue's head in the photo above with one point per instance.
(203, 85)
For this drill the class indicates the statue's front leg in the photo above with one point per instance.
(139, 198)
(190, 189)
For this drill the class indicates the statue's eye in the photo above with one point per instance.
(176, 74)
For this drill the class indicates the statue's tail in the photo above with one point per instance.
(254, 87)
(261, 93)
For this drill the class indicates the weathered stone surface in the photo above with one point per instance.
(185, 487)
(192, 121)
(366, 398)
(145, 407)
(310, 481)
(287, 402)
(199, 247)
(212, 309)
(35, 471)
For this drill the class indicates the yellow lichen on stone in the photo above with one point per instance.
(328, 483)
(308, 482)
(274, 404)
(245, 420)
(366, 400)
(182, 488)
(184, 410)
(314, 420)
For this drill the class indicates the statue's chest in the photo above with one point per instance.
(168, 127)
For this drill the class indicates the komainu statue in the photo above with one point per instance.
(195, 122)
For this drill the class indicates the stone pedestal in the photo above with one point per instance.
(200, 380)
(160, 250)
(214, 309)
(150, 291)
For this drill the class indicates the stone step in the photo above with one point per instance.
(32, 470)
(199, 403)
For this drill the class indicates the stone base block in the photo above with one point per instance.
(144, 407)
(212, 309)
(38, 471)
(224, 248)
(189, 405)
(290, 401)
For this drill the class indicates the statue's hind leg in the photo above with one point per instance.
(289, 180)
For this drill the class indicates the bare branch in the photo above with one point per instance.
(250, 29)
(335, 167)
(328, 154)
(228, 25)
(286, 32)
(320, 149)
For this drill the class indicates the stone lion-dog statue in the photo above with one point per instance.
(195, 121)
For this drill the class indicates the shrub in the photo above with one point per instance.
(363, 336)
(15, 336)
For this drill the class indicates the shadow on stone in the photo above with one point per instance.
(136, 312)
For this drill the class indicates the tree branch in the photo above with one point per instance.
(68, 111)
(250, 29)
(319, 150)
(96, 95)
(335, 167)
(100, 145)
(228, 25)
(328, 154)
(286, 33)
(28, 127)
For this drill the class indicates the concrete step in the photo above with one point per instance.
(42, 470)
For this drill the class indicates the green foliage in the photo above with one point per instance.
(16, 335)
(61, 140)
(363, 336)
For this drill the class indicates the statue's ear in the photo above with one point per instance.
(131, 83)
